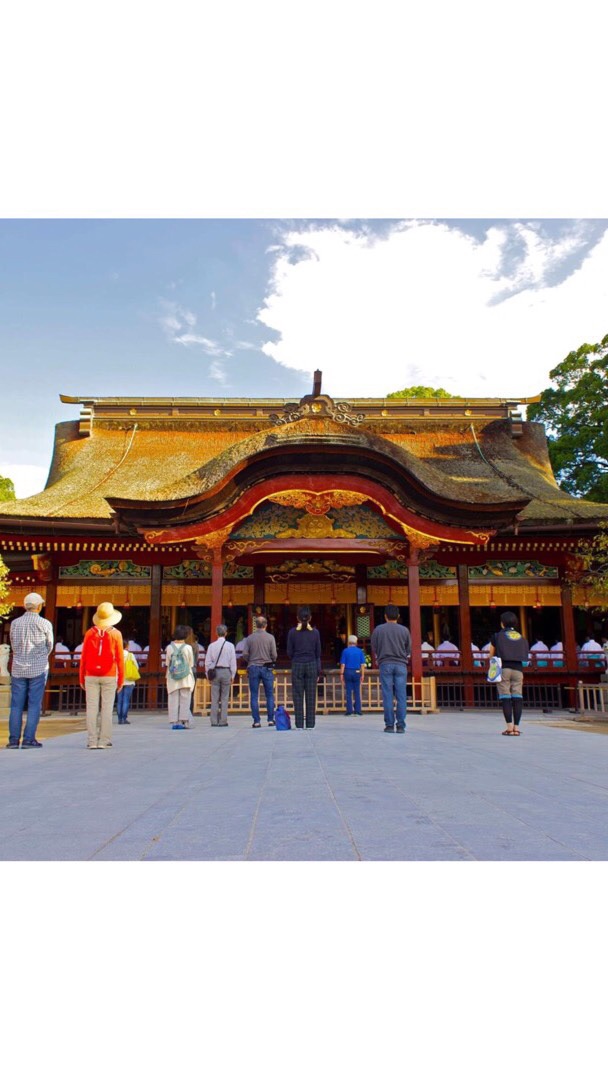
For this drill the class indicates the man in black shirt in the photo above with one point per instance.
(512, 649)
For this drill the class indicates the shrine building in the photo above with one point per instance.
(210, 510)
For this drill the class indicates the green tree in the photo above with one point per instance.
(5, 608)
(421, 392)
(589, 567)
(575, 412)
(7, 490)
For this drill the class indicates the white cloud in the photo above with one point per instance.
(429, 303)
(178, 324)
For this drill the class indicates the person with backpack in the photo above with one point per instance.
(512, 649)
(102, 673)
(179, 659)
(220, 669)
(123, 697)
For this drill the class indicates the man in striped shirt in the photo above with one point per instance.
(31, 644)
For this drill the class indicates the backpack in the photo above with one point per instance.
(102, 653)
(282, 719)
(179, 668)
(131, 668)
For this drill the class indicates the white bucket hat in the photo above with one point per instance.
(106, 616)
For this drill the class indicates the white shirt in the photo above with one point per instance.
(591, 646)
(448, 646)
(539, 648)
(557, 648)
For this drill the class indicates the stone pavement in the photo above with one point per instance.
(451, 788)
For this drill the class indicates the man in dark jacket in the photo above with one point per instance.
(260, 654)
(392, 646)
(512, 648)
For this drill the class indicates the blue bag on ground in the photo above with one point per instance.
(282, 719)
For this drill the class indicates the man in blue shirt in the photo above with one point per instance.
(352, 673)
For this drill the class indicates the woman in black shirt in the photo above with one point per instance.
(304, 651)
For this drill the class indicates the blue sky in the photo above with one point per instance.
(249, 307)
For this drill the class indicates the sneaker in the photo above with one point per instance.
(92, 747)
(388, 728)
(271, 723)
(256, 725)
(106, 746)
(177, 727)
(401, 730)
(26, 745)
(12, 744)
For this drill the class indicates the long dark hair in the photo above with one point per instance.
(304, 617)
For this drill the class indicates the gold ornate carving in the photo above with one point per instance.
(214, 542)
(420, 540)
(315, 527)
(318, 405)
(318, 503)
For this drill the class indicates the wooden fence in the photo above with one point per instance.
(422, 695)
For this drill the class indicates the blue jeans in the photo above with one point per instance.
(265, 675)
(123, 700)
(393, 680)
(25, 694)
(352, 687)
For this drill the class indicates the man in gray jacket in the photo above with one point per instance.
(260, 654)
(392, 646)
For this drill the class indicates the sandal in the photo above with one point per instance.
(508, 733)
(516, 732)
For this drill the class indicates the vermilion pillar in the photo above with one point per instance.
(413, 588)
(217, 587)
(568, 636)
(464, 629)
(155, 643)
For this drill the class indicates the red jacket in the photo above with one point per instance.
(89, 653)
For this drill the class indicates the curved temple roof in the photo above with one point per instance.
(172, 461)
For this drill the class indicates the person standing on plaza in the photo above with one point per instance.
(392, 646)
(220, 659)
(180, 680)
(512, 649)
(102, 673)
(31, 639)
(352, 673)
(123, 697)
(260, 653)
(304, 651)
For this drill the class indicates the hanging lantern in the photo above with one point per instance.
(127, 603)
(435, 599)
(492, 600)
(537, 603)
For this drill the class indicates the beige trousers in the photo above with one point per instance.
(101, 691)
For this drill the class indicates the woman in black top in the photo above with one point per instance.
(304, 651)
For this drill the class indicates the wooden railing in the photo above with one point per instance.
(422, 696)
(593, 699)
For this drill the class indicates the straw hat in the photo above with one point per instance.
(106, 616)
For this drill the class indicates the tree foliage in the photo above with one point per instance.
(5, 608)
(420, 392)
(575, 412)
(590, 565)
(7, 490)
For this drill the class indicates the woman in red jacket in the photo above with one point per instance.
(102, 673)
